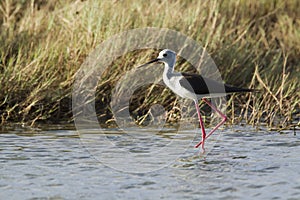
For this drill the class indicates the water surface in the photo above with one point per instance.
(241, 164)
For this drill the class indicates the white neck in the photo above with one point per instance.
(168, 69)
(168, 72)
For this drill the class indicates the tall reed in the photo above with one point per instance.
(43, 43)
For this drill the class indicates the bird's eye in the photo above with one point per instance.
(165, 55)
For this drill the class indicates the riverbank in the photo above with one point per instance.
(44, 44)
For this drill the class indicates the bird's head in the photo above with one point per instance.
(166, 56)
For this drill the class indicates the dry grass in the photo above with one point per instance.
(44, 44)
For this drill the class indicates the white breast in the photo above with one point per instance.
(172, 81)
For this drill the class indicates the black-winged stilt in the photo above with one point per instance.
(195, 87)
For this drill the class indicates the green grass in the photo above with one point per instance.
(43, 43)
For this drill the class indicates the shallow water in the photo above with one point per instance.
(240, 163)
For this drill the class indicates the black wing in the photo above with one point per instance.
(201, 85)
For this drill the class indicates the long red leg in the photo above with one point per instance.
(218, 125)
(201, 126)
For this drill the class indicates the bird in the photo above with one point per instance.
(195, 87)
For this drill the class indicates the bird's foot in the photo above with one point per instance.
(197, 145)
(202, 145)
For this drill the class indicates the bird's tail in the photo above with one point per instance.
(231, 89)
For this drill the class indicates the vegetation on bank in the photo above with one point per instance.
(43, 43)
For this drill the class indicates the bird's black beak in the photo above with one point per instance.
(152, 61)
